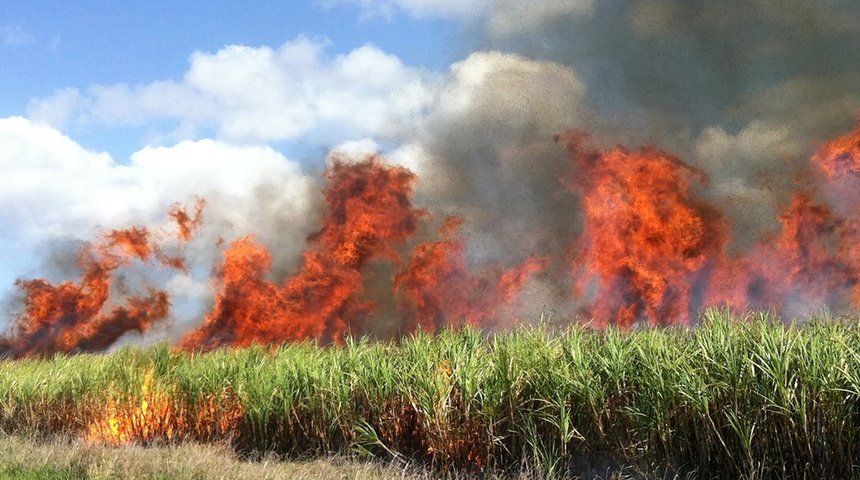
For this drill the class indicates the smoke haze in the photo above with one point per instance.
(735, 96)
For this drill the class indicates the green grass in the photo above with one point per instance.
(23, 472)
(733, 398)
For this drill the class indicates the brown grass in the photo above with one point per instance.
(73, 459)
(76, 459)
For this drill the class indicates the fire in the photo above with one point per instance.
(78, 316)
(837, 163)
(370, 217)
(648, 241)
(187, 223)
(370, 213)
(802, 262)
(840, 158)
(652, 250)
(840, 162)
(138, 419)
(157, 413)
(440, 289)
(815, 259)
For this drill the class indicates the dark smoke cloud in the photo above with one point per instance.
(695, 61)
(740, 88)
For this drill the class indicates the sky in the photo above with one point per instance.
(110, 113)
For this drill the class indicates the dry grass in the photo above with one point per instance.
(73, 459)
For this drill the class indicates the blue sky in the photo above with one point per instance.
(46, 46)
(50, 44)
(109, 113)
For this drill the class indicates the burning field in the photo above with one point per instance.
(400, 287)
(736, 398)
(499, 238)
(743, 395)
(651, 248)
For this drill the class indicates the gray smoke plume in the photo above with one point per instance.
(492, 156)
(741, 89)
(486, 154)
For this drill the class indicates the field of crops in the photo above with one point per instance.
(733, 397)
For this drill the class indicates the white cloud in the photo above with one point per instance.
(52, 188)
(14, 35)
(44, 170)
(501, 17)
(413, 156)
(250, 190)
(65, 106)
(263, 94)
(354, 150)
(759, 144)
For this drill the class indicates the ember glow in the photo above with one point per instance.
(653, 249)
(155, 413)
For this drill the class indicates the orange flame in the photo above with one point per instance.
(77, 316)
(652, 250)
(187, 223)
(370, 216)
(648, 241)
(816, 258)
(159, 414)
(840, 158)
(369, 213)
(440, 289)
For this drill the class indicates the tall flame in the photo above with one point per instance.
(370, 212)
(652, 250)
(815, 259)
(78, 316)
(649, 241)
(370, 216)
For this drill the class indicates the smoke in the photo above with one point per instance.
(694, 61)
(486, 154)
(47, 217)
(498, 16)
(743, 92)
(740, 89)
